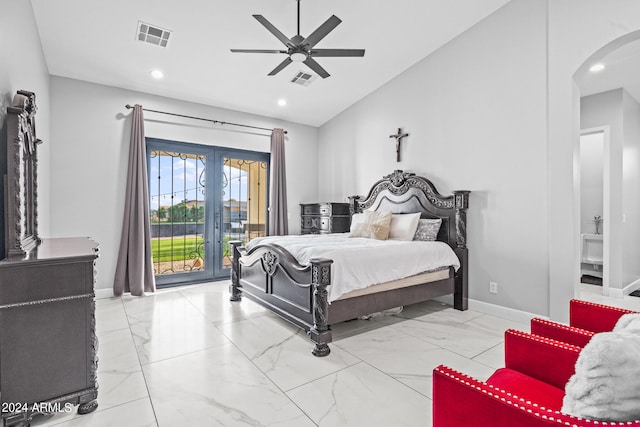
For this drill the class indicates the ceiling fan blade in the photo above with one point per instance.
(257, 51)
(280, 67)
(336, 52)
(322, 31)
(311, 63)
(273, 30)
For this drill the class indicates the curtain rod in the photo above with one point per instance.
(129, 107)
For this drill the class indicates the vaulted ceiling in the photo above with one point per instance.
(97, 41)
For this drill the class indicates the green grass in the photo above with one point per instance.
(182, 248)
(176, 249)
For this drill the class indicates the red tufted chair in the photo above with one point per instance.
(585, 319)
(528, 391)
(536, 370)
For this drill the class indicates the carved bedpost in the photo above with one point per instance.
(353, 204)
(460, 296)
(234, 288)
(462, 204)
(320, 333)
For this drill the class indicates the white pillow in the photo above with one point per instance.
(376, 225)
(605, 385)
(403, 226)
(355, 220)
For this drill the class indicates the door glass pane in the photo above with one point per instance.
(177, 209)
(244, 202)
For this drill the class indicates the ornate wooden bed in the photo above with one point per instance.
(271, 276)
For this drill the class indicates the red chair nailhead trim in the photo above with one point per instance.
(563, 326)
(593, 304)
(495, 392)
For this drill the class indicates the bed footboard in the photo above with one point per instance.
(273, 278)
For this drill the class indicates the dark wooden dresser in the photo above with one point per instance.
(321, 218)
(48, 345)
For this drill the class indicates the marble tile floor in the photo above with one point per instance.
(188, 357)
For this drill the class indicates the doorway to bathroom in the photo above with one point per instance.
(594, 208)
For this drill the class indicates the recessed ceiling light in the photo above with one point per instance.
(157, 74)
(596, 67)
(282, 102)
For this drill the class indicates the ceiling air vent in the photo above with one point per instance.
(303, 79)
(152, 34)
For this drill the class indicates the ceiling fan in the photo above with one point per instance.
(301, 49)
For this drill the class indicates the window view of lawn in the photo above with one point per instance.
(176, 249)
(182, 248)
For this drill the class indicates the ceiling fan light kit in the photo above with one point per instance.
(301, 49)
(298, 56)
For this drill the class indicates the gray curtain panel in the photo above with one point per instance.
(278, 223)
(134, 270)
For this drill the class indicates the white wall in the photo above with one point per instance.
(475, 111)
(631, 191)
(91, 130)
(22, 67)
(495, 111)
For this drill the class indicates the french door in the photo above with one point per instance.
(200, 198)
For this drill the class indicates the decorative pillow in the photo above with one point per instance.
(404, 226)
(428, 229)
(355, 220)
(376, 225)
(605, 386)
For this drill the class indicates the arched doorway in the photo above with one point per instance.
(608, 98)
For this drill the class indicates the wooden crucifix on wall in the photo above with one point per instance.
(398, 138)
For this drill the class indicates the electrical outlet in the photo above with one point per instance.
(493, 287)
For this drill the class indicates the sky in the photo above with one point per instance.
(184, 179)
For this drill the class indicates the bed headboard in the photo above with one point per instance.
(405, 192)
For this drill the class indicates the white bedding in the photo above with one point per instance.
(360, 262)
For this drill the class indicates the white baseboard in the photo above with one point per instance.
(620, 293)
(633, 286)
(616, 293)
(504, 312)
(104, 293)
(496, 310)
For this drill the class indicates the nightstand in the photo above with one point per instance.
(322, 218)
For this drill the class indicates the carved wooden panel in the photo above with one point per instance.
(22, 177)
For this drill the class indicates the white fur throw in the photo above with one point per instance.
(606, 384)
(628, 322)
